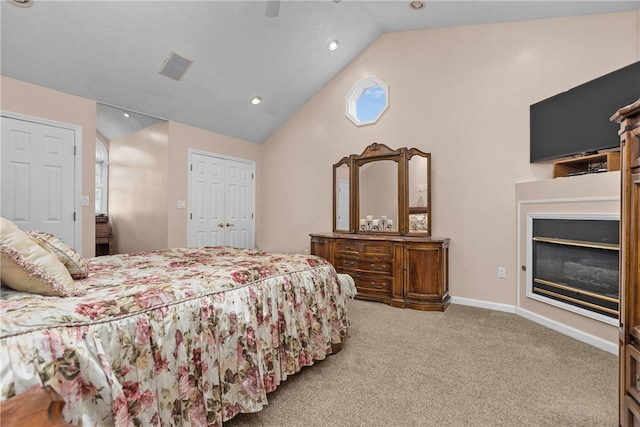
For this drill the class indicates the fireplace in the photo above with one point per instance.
(575, 264)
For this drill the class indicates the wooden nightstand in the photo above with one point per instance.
(104, 236)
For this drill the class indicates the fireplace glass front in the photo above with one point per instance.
(576, 262)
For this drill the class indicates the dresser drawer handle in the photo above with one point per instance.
(377, 286)
(348, 264)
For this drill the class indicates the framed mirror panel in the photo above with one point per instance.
(342, 205)
(419, 189)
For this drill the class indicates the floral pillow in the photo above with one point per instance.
(77, 266)
(29, 267)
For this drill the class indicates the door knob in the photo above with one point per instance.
(229, 225)
(221, 225)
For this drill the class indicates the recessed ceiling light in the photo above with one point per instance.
(333, 45)
(416, 5)
(127, 115)
(21, 3)
(256, 100)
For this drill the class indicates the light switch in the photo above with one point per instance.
(181, 204)
(85, 200)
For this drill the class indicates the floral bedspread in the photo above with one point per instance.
(173, 337)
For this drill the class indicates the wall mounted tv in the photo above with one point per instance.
(576, 122)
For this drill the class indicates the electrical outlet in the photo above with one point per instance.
(502, 272)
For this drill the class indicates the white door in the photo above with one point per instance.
(206, 201)
(38, 177)
(239, 204)
(221, 200)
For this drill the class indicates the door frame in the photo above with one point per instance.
(77, 164)
(191, 152)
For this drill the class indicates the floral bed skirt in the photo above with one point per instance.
(173, 337)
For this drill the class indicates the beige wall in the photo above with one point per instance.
(138, 189)
(184, 137)
(150, 218)
(462, 94)
(24, 98)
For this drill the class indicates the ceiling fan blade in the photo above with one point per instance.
(272, 9)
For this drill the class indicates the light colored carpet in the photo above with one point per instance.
(465, 367)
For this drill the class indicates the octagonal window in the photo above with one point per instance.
(367, 100)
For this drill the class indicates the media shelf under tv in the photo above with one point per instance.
(592, 163)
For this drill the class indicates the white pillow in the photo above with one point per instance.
(28, 267)
(77, 266)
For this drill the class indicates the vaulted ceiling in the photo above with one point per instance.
(112, 51)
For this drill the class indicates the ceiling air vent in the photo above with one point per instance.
(175, 66)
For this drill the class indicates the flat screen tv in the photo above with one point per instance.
(576, 122)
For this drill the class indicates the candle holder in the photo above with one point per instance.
(371, 224)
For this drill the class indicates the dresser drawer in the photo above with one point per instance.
(372, 265)
(348, 246)
(103, 230)
(367, 283)
(364, 248)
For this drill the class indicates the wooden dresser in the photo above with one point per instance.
(629, 345)
(402, 271)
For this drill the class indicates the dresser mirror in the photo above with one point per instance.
(378, 196)
(383, 191)
(341, 191)
(419, 168)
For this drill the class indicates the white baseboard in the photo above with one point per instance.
(544, 321)
(483, 304)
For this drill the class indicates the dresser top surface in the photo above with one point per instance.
(381, 237)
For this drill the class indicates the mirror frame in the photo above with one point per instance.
(348, 161)
(410, 154)
(378, 152)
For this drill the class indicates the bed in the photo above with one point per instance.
(185, 336)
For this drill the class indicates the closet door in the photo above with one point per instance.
(239, 204)
(221, 201)
(206, 201)
(38, 177)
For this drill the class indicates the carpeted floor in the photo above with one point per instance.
(465, 367)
